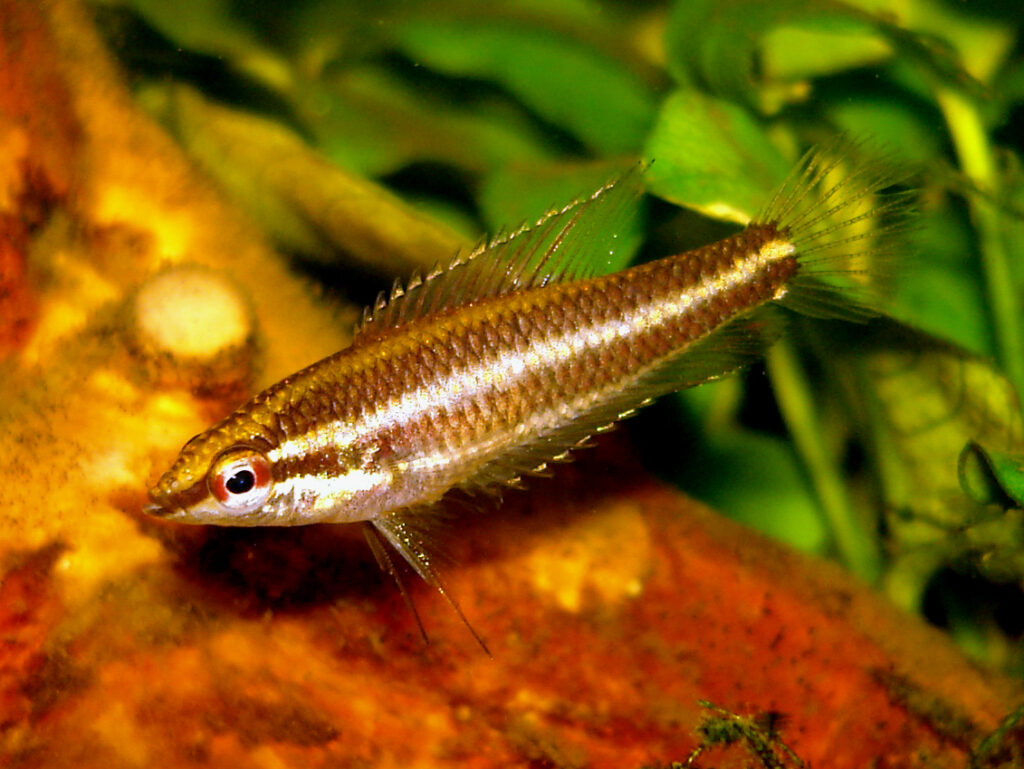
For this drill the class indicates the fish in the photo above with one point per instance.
(484, 372)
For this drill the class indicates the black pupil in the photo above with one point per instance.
(240, 482)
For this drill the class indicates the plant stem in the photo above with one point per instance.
(975, 153)
(856, 547)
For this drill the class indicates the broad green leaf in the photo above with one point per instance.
(580, 89)
(713, 156)
(361, 120)
(316, 29)
(756, 479)
(760, 53)
(1011, 221)
(721, 43)
(888, 118)
(1006, 95)
(821, 46)
(977, 41)
(940, 291)
(938, 300)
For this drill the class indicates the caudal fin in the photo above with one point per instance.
(844, 211)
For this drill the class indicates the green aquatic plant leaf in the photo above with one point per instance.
(958, 46)
(576, 87)
(757, 479)
(205, 26)
(886, 115)
(924, 399)
(360, 118)
(820, 44)
(766, 54)
(992, 477)
(941, 289)
(713, 156)
(743, 49)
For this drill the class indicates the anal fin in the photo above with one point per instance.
(403, 536)
(380, 553)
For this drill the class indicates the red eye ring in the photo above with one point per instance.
(240, 479)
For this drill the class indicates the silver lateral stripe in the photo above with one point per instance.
(323, 489)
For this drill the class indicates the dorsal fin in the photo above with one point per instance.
(561, 246)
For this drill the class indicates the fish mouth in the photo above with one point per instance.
(157, 510)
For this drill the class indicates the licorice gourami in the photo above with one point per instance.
(504, 361)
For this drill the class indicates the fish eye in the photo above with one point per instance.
(240, 479)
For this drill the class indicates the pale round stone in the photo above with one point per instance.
(191, 312)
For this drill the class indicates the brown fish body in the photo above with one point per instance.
(483, 373)
(453, 399)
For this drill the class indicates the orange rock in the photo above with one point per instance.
(288, 647)
(28, 610)
(37, 152)
(17, 303)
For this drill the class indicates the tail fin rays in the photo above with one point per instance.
(847, 231)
